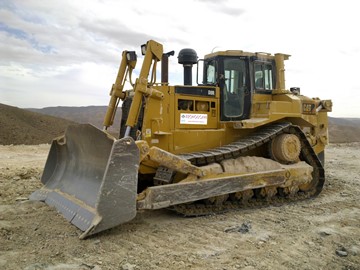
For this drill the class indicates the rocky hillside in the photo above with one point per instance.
(19, 126)
(344, 130)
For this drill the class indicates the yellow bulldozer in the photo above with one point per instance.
(236, 139)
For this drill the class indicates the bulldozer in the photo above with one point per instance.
(238, 138)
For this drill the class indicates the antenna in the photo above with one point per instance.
(214, 49)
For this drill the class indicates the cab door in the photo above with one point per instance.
(235, 88)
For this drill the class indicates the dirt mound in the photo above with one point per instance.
(20, 126)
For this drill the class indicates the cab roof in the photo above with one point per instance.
(261, 55)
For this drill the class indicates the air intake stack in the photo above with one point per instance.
(187, 57)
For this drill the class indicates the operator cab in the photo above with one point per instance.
(239, 75)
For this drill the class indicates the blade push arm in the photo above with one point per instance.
(154, 52)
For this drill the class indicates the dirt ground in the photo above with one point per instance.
(323, 233)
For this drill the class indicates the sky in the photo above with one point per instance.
(67, 53)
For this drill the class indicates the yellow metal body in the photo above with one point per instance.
(183, 121)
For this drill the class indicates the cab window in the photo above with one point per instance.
(209, 73)
(263, 76)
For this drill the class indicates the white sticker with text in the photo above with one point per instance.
(193, 119)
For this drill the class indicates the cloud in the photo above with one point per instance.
(111, 30)
(223, 7)
(230, 10)
(20, 34)
(36, 39)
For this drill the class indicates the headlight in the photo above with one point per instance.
(131, 56)
(143, 49)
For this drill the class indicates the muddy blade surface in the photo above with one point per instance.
(91, 179)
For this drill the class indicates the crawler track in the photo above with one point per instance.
(241, 148)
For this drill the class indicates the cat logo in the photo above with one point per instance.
(308, 108)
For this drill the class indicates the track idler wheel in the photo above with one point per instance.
(285, 148)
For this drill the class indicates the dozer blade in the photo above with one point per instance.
(91, 178)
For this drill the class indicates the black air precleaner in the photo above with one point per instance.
(187, 57)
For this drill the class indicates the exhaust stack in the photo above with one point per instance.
(165, 67)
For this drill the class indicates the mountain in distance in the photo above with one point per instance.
(87, 114)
